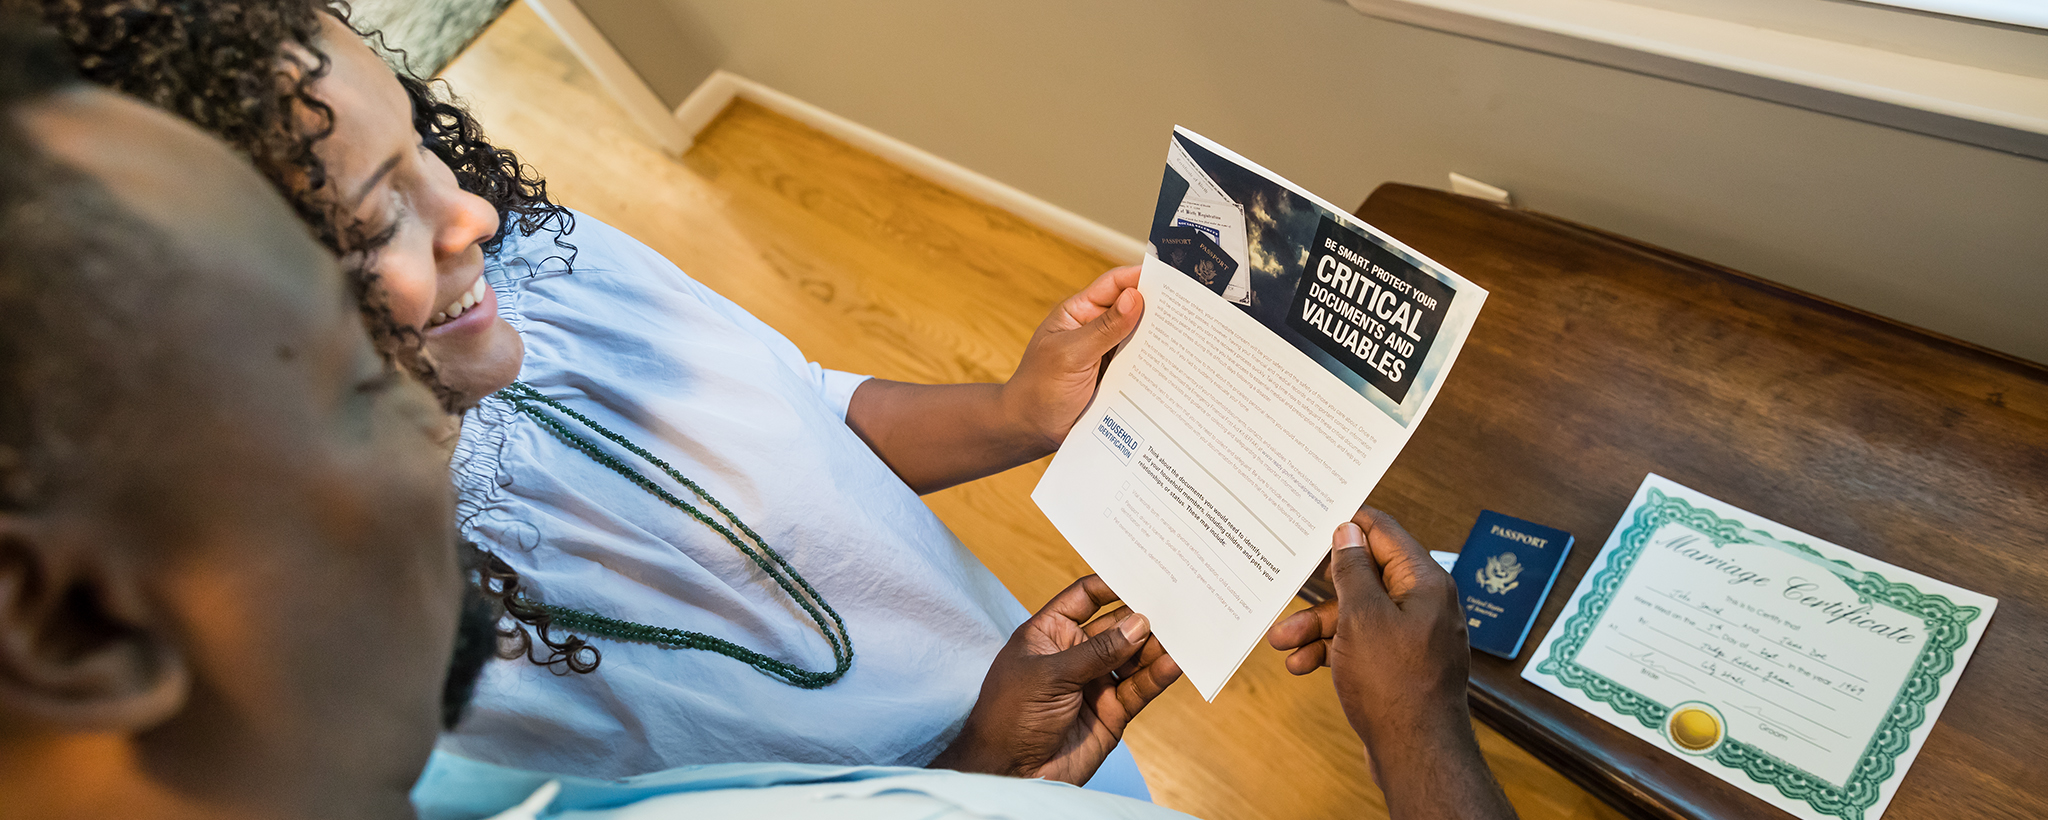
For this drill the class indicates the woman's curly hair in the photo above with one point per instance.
(244, 70)
(568, 653)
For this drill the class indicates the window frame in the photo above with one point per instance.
(1906, 69)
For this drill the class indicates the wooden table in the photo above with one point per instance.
(1599, 359)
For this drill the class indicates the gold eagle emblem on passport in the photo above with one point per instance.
(1499, 575)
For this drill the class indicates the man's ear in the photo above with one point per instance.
(81, 648)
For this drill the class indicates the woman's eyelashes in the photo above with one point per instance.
(395, 204)
(395, 213)
(386, 212)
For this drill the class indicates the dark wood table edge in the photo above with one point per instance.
(1611, 785)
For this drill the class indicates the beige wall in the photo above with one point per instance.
(673, 58)
(1072, 100)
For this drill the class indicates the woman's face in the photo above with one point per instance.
(431, 270)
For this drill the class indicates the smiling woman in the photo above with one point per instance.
(430, 232)
(390, 183)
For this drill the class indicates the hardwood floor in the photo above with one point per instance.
(870, 269)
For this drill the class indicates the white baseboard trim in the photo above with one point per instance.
(675, 131)
(625, 85)
(720, 89)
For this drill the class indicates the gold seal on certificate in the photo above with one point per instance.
(1695, 727)
(1803, 672)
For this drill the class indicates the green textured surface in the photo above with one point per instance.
(429, 32)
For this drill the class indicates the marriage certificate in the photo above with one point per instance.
(1803, 672)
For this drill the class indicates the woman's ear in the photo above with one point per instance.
(81, 649)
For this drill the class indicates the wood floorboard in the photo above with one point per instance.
(871, 269)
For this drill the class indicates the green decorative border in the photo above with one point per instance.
(1947, 625)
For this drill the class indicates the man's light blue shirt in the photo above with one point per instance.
(456, 788)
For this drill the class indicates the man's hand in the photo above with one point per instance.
(1056, 378)
(1057, 698)
(1394, 636)
(1394, 639)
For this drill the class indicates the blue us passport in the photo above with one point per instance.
(1504, 573)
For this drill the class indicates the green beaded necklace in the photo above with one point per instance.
(524, 397)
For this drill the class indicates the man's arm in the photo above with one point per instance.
(936, 436)
(1394, 639)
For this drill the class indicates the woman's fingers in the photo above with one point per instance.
(1108, 620)
(1152, 651)
(1139, 688)
(1080, 600)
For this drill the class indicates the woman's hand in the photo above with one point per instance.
(937, 435)
(1059, 695)
(1056, 378)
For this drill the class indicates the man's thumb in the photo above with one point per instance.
(1352, 569)
(1104, 652)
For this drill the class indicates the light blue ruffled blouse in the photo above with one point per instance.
(630, 341)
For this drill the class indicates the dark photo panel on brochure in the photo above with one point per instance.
(1357, 307)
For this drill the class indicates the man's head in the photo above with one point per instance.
(227, 579)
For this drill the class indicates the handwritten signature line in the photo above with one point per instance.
(1710, 613)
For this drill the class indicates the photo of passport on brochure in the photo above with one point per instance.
(1286, 353)
(1195, 252)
